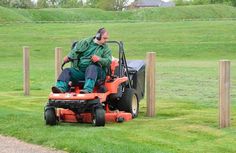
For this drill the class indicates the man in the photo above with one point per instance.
(90, 59)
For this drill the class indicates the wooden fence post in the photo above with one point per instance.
(58, 61)
(224, 93)
(26, 66)
(151, 64)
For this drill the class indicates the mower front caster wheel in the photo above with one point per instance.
(50, 116)
(99, 117)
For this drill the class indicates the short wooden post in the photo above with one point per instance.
(58, 61)
(26, 85)
(150, 66)
(224, 93)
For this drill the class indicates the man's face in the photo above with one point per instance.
(104, 38)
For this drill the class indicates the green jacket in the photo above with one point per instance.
(83, 52)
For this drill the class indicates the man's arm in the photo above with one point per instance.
(79, 47)
(105, 60)
(66, 59)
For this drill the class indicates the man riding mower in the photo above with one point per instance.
(102, 93)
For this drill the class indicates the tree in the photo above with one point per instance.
(105, 4)
(233, 2)
(5, 3)
(42, 4)
(112, 4)
(216, 1)
(71, 3)
(120, 4)
(21, 3)
(53, 3)
(92, 3)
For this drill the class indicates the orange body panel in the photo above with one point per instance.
(111, 87)
(77, 96)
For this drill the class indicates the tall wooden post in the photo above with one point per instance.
(58, 61)
(26, 85)
(151, 64)
(224, 94)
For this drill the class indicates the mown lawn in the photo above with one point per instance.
(187, 87)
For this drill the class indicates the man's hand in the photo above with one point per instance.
(66, 59)
(95, 58)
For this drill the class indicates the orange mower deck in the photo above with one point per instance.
(67, 115)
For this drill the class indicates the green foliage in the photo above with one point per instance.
(4, 3)
(71, 3)
(233, 2)
(182, 2)
(42, 4)
(17, 3)
(120, 4)
(200, 2)
(117, 5)
(92, 3)
(105, 5)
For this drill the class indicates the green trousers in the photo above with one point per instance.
(91, 75)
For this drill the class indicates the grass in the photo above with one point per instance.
(91, 15)
(187, 87)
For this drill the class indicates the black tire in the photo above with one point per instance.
(129, 102)
(50, 116)
(99, 117)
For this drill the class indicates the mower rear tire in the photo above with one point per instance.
(50, 116)
(99, 117)
(129, 102)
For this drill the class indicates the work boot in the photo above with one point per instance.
(83, 92)
(56, 90)
(102, 89)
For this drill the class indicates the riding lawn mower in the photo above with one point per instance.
(115, 100)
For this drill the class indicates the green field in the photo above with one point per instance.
(186, 120)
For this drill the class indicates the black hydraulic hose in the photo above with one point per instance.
(70, 60)
(63, 65)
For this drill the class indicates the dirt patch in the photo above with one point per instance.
(12, 145)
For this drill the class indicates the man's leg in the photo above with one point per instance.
(62, 81)
(67, 75)
(91, 75)
(77, 75)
